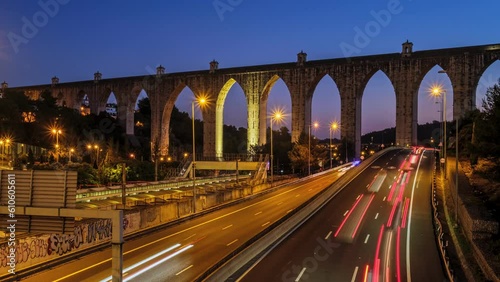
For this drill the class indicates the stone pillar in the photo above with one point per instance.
(253, 116)
(209, 130)
(464, 73)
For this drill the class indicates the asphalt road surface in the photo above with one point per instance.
(184, 251)
(379, 228)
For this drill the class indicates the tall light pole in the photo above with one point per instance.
(333, 127)
(201, 101)
(7, 143)
(309, 147)
(456, 154)
(436, 91)
(277, 115)
(57, 131)
(71, 150)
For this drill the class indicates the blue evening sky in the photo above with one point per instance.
(72, 39)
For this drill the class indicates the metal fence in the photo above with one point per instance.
(438, 227)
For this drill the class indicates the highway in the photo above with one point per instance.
(379, 228)
(183, 252)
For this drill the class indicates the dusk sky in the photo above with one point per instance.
(73, 39)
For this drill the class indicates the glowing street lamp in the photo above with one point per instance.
(71, 150)
(56, 131)
(315, 125)
(436, 91)
(277, 115)
(333, 127)
(201, 101)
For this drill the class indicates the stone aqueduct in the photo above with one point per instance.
(405, 70)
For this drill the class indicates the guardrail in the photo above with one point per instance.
(438, 227)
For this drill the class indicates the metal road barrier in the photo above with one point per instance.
(438, 227)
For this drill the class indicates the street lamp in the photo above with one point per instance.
(57, 131)
(278, 116)
(436, 92)
(201, 101)
(456, 155)
(315, 124)
(333, 127)
(96, 147)
(71, 150)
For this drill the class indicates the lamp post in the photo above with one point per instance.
(309, 147)
(277, 115)
(6, 148)
(201, 101)
(57, 131)
(333, 127)
(436, 91)
(71, 150)
(456, 153)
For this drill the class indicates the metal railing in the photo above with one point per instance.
(438, 227)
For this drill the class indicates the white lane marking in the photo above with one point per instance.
(265, 224)
(190, 237)
(297, 195)
(234, 241)
(408, 274)
(383, 200)
(258, 213)
(230, 225)
(289, 210)
(354, 274)
(367, 185)
(190, 228)
(300, 274)
(184, 270)
(328, 235)
(390, 186)
(310, 189)
(346, 212)
(367, 236)
(358, 196)
(279, 203)
(376, 216)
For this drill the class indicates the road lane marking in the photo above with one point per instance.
(297, 195)
(190, 237)
(310, 189)
(150, 266)
(383, 200)
(230, 225)
(358, 196)
(408, 274)
(346, 212)
(289, 210)
(184, 270)
(354, 274)
(376, 216)
(367, 236)
(394, 177)
(232, 242)
(300, 274)
(265, 224)
(190, 228)
(258, 213)
(328, 235)
(279, 203)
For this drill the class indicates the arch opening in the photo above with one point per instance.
(378, 120)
